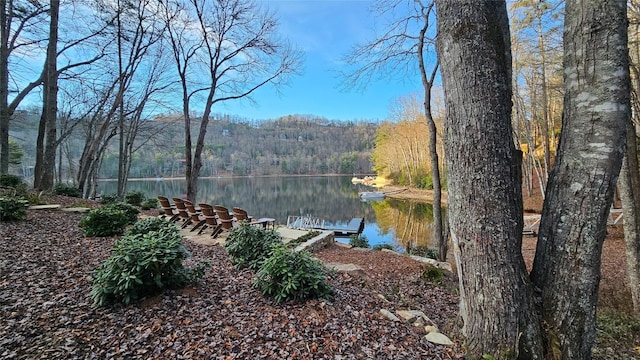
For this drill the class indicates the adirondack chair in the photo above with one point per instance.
(210, 220)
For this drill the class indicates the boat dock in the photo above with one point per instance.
(340, 229)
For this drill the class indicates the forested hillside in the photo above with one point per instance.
(294, 144)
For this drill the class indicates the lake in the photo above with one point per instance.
(400, 223)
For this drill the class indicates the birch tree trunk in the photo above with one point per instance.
(581, 185)
(485, 190)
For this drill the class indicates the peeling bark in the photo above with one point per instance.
(581, 186)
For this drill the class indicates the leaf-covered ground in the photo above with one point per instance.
(46, 311)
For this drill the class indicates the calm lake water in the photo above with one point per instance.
(400, 223)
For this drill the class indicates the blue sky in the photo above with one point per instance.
(325, 30)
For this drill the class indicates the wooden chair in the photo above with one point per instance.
(224, 218)
(183, 214)
(195, 216)
(241, 214)
(210, 220)
(169, 211)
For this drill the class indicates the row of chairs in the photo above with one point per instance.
(218, 218)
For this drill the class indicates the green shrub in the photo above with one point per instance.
(291, 275)
(13, 208)
(142, 265)
(129, 210)
(67, 190)
(14, 183)
(134, 198)
(359, 241)
(424, 181)
(423, 251)
(248, 245)
(10, 181)
(148, 225)
(80, 204)
(383, 246)
(149, 204)
(432, 274)
(104, 221)
(34, 198)
(109, 198)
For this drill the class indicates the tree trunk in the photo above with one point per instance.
(427, 84)
(629, 186)
(5, 10)
(485, 190)
(580, 191)
(545, 96)
(47, 142)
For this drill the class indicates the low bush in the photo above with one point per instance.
(13, 183)
(104, 221)
(383, 246)
(290, 275)
(109, 199)
(148, 225)
(423, 251)
(248, 245)
(80, 204)
(67, 190)
(10, 181)
(130, 211)
(359, 241)
(142, 265)
(134, 198)
(149, 204)
(13, 208)
(34, 198)
(432, 274)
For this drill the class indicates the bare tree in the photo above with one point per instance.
(236, 44)
(407, 42)
(136, 35)
(485, 201)
(16, 19)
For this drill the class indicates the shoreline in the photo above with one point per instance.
(413, 194)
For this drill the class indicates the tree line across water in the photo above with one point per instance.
(290, 145)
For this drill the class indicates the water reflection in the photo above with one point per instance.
(334, 198)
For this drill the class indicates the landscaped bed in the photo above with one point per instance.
(46, 310)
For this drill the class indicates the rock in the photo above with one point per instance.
(421, 315)
(389, 315)
(430, 328)
(438, 264)
(45, 207)
(351, 269)
(77, 209)
(407, 315)
(438, 338)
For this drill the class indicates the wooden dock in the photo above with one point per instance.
(353, 227)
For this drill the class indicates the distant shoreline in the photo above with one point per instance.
(162, 178)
